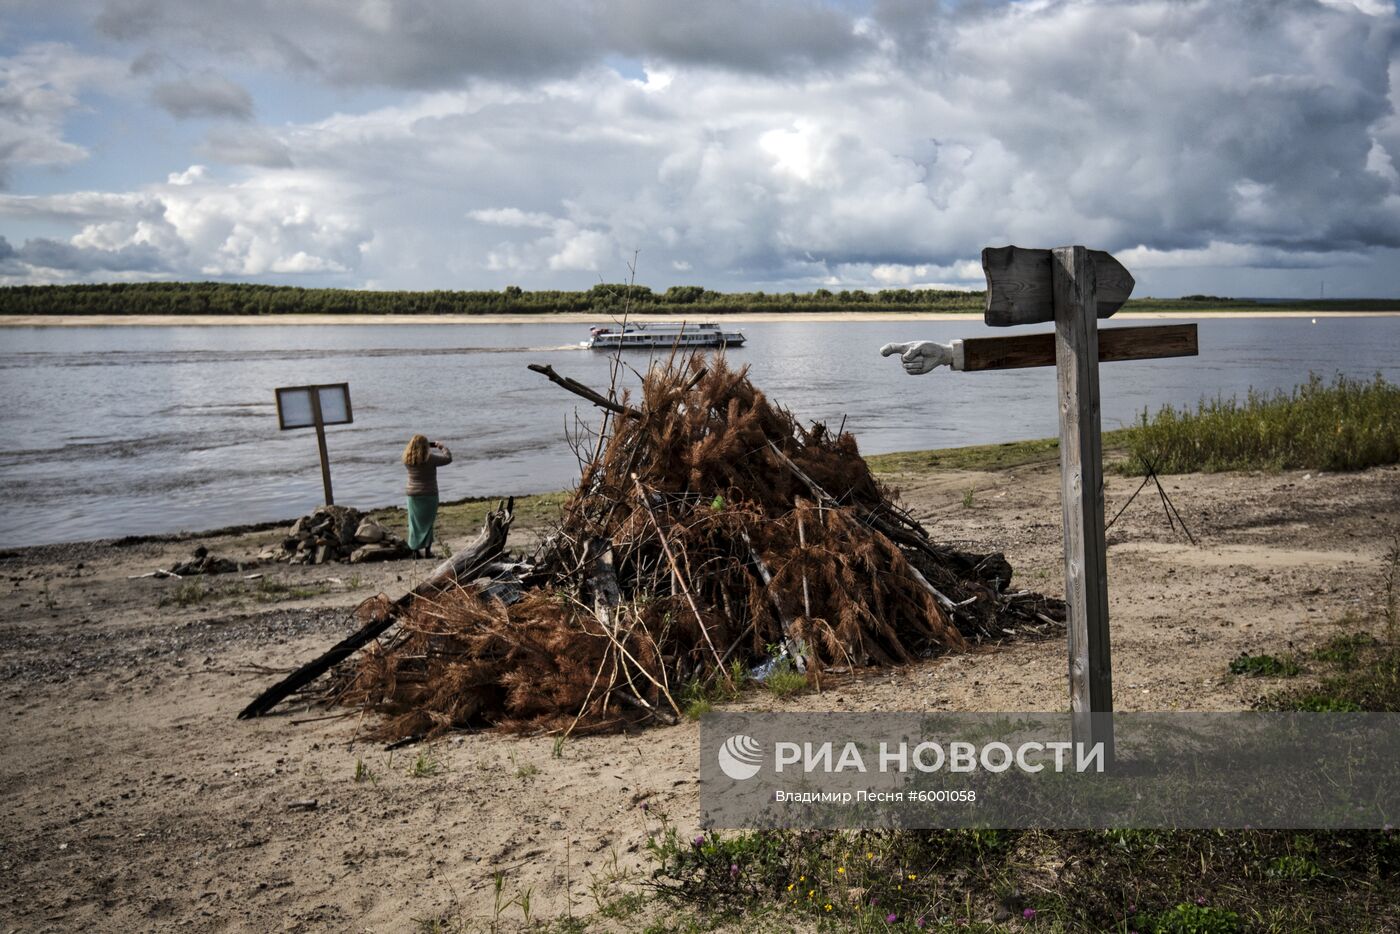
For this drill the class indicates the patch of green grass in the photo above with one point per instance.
(1292, 866)
(1265, 666)
(959, 880)
(1343, 650)
(1348, 425)
(975, 457)
(785, 680)
(1186, 918)
(528, 770)
(698, 698)
(187, 593)
(623, 906)
(424, 766)
(466, 516)
(698, 708)
(267, 590)
(270, 590)
(988, 457)
(1361, 672)
(445, 925)
(1322, 702)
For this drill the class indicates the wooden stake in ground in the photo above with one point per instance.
(1073, 287)
(1081, 496)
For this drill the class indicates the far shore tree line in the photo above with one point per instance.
(225, 298)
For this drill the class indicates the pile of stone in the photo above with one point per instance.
(338, 533)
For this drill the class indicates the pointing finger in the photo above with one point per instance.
(891, 349)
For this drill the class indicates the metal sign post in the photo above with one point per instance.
(315, 406)
(1073, 287)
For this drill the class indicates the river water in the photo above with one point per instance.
(110, 431)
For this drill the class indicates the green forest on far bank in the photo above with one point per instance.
(220, 298)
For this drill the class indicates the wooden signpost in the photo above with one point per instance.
(1073, 287)
(315, 406)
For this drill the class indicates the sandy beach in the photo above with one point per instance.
(132, 799)
(30, 321)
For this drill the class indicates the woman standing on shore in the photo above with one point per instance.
(422, 458)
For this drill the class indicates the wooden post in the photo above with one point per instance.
(1074, 287)
(321, 443)
(1081, 472)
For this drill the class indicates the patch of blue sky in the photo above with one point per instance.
(630, 68)
(129, 144)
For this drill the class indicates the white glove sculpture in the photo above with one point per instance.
(920, 356)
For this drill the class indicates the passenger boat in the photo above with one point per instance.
(663, 335)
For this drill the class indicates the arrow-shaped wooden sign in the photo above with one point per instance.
(1020, 287)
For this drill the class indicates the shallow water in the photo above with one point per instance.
(110, 431)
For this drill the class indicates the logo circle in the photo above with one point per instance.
(740, 757)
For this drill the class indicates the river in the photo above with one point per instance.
(111, 431)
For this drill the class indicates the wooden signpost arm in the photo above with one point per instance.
(1115, 344)
(1081, 463)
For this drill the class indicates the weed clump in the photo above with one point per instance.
(1348, 425)
(1266, 666)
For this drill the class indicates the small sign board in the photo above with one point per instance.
(315, 407)
(296, 407)
(1019, 289)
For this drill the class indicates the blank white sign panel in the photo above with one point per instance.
(294, 407)
(335, 404)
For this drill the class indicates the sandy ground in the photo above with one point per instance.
(131, 799)
(30, 321)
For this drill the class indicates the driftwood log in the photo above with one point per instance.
(465, 565)
(578, 389)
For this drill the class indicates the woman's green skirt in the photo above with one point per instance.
(422, 512)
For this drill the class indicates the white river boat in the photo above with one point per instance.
(662, 335)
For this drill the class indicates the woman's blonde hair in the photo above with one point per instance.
(417, 451)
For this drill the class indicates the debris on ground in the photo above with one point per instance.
(203, 561)
(710, 533)
(338, 533)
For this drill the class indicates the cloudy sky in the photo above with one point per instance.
(1244, 147)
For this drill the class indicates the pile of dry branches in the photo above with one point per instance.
(710, 531)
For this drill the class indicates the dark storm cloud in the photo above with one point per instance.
(65, 257)
(430, 44)
(203, 95)
(746, 36)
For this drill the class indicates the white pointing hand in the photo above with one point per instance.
(920, 357)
